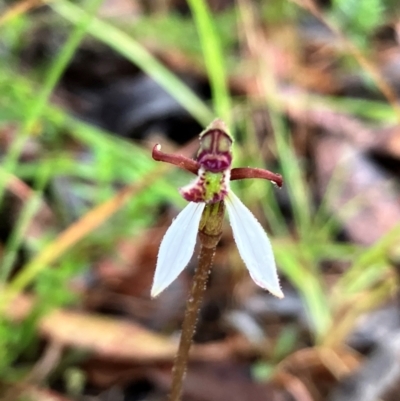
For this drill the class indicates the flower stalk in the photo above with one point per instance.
(210, 232)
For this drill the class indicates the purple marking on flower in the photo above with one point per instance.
(207, 187)
(196, 190)
(215, 153)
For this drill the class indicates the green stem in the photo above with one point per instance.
(213, 55)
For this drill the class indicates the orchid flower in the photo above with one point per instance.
(212, 185)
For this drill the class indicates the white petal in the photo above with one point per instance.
(254, 245)
(177, 247)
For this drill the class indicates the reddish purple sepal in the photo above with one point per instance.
(213, 166)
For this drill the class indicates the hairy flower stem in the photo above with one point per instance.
(210, 232)
(189, 322)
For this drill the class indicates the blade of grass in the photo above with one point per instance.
(292, 172)
(81, 228)
(19, 8)
(90, 136)
(366, 108)
(350, 309)
(37, 107)
(372, 259)
(52, 77)
(137, 54)
(303, 276)
(74, 233)
(29, 210)
(267, 193)
(213, 58)
(365, 63)
(291, 169)
(291, 260)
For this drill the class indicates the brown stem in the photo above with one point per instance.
(189, 323)
(210, 231)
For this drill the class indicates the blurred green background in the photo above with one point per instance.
(309, 90)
